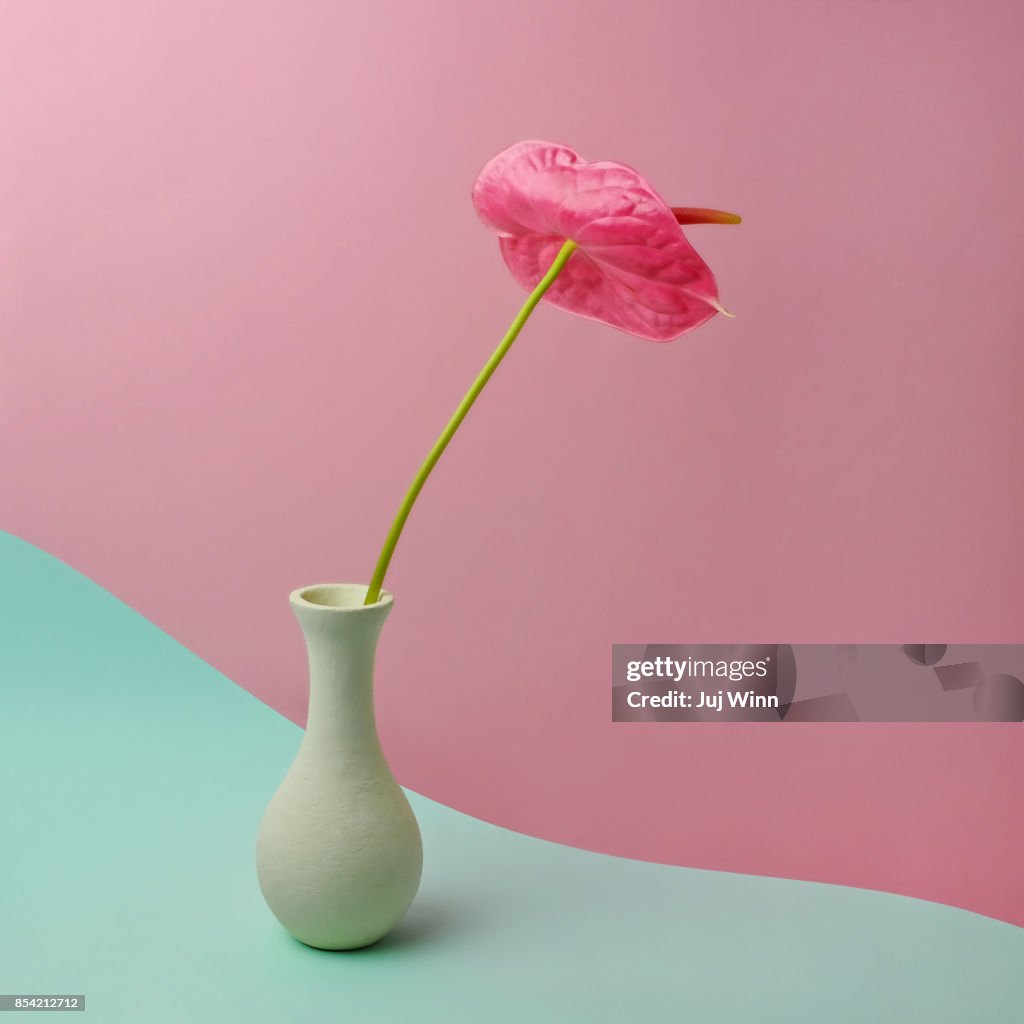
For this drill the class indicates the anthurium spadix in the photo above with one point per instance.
(593, 238)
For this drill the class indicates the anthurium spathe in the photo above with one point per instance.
(634, 269)
(593, 238)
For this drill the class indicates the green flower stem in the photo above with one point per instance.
(373, 593)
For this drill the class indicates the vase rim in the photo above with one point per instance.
(339, 598)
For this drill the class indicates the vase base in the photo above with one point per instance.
(339, 949)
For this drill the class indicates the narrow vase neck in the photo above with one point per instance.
(341, 641)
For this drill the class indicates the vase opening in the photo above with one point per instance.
(343, 596)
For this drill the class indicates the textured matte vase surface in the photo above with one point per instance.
(339, 854)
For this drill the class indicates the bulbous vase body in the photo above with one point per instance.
(339, 854)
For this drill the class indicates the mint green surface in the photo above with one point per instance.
(132, 780)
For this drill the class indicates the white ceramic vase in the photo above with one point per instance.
(339, 854)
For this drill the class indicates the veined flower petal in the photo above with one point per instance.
(633, 269)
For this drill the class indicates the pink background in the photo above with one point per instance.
(243, 287)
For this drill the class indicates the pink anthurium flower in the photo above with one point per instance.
(634, 269)
(593, 238)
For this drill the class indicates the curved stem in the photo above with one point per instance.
(373, 593)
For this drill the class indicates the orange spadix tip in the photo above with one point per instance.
(702, 215)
